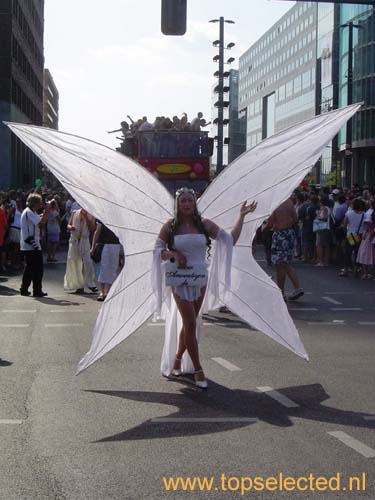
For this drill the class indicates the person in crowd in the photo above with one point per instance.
(266, 237)
(300, 207)
(30, 245)
(146, 125)
(324, 228)
(53, 230)
(14, 235)
(366, 251)
(80, 274)
(109, 263)
(3, 228)
(354, 225)
(282, 221)
(308, 235)
(196, 122)
(339, 211)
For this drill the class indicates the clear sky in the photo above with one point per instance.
(109, 59)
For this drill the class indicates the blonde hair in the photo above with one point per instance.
(33, 199)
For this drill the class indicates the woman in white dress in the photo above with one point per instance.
(80, 274)
(186, 239)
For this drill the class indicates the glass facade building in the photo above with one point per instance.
(277, 75)
(326, 86)
(21, 86)
(50, 102)
(357, 144)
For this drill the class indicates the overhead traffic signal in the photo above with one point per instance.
(173, 17)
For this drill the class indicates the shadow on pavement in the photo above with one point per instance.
(221, 402)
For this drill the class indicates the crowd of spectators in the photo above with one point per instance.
(162, 124)
(336, 227)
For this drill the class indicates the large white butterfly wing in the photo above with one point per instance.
(267, 174)
(127, 199)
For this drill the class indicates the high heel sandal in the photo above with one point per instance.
(202, 384)
(177, 371)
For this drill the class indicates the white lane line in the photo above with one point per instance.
(332, 301)
(302, 309)
(227, 323)
(19, 325)
(62, 325)
(18, 311)
(370, 418)
(155, 324)
(278, 397)
(356, 445)
(338, 322)
(346, 309)
(70, 311)
(339, 293)
(226, 364)
(11, 422)
(366, 323)
(203, 420)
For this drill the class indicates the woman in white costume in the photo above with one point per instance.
(80, 274)
(186, 239)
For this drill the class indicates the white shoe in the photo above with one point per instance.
(177, 372)
(88, 291)
(202, 384)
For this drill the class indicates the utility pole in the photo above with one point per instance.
(220, 89)
(220, 113)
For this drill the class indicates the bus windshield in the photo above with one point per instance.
(173, 144)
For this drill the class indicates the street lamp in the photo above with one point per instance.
(349, 126)
(220, 89)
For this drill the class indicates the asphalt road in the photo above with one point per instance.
(116, 430)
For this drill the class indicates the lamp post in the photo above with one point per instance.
(220, 89)
(349, 126)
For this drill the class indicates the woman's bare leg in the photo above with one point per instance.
(181, 340)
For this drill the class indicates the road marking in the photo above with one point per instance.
(15, 326)
(18, 311)
(339, 322)
(203, 420)
(70, 310)
(302, 309)
(155, 324)
(356, 445)
(226, 364)
(278, 397)
(338, 293)
(370, 418)
(346, 309)
(366, 323)
(332, 301)
(11, 422)
(62, 325)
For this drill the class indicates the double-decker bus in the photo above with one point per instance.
(177, 158)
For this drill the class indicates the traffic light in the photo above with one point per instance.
(173, 17)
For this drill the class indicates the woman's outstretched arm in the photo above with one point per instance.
(245, 209)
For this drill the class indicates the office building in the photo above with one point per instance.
(21, 86)
(357, 147)
(277, 74)
(50, 102)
